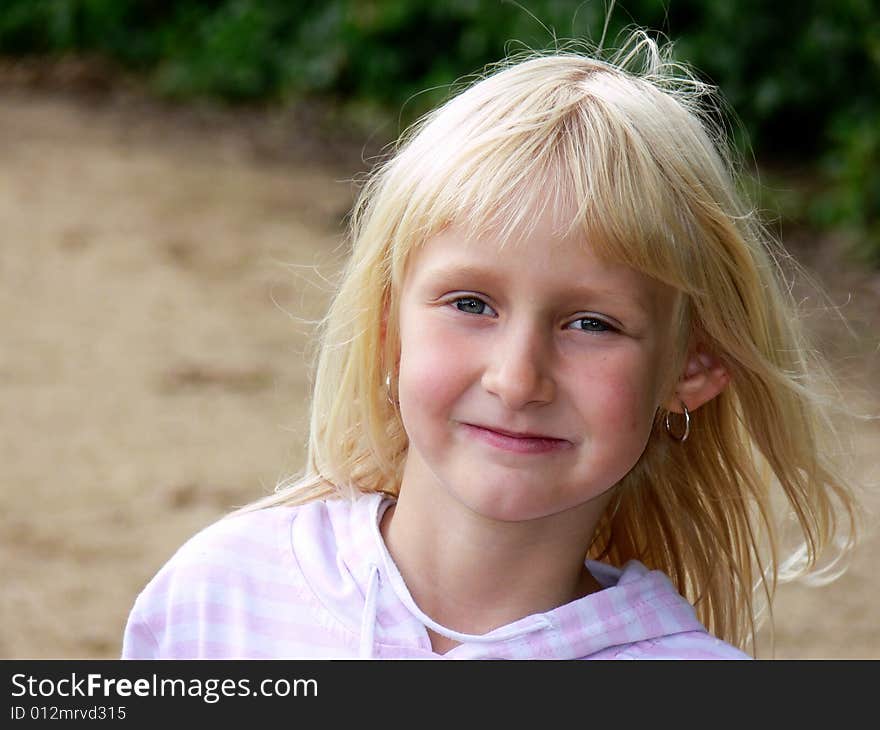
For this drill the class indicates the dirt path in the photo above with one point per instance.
(153, 369)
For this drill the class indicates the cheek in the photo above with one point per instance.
(627, 399)
(431, 375)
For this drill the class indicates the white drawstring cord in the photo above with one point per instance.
(368, 618)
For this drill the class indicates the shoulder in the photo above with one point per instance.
(246, 545)
(238, 586)
(216, 575)
(695, 645)
(251, 539)
(227, 575)
(656, 621)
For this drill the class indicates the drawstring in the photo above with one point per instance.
(368, 621)
(368, 618)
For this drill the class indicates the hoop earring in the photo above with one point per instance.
(687, 425)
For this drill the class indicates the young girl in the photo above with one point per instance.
(563, 404)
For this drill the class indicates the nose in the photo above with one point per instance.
(518, 366)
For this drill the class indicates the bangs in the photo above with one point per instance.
(493, 164)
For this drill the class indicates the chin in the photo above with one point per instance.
(507, 506)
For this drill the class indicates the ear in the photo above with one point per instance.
(704, 377)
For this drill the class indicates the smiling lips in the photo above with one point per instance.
(523, 443)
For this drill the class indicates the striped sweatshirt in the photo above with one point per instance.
(316, 582)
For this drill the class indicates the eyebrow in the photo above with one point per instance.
(469, 270)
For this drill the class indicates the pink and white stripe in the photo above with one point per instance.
(303, 582)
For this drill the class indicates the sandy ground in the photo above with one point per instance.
(156, 278)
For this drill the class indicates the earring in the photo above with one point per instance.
(687, 425)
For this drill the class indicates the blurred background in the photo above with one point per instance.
(174, 182)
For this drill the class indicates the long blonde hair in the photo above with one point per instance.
(632, 146)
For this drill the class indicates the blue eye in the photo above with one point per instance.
(472, 303)
(594, 324)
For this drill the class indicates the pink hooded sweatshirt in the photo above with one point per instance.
(316, 582)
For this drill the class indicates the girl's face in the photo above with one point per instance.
(539, 338)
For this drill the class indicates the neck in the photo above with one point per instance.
(473, 574)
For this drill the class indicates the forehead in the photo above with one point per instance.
(541, 259)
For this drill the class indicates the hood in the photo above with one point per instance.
(341, 554)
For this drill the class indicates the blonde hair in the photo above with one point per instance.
(630, 147)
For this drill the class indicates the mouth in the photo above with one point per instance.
(515, 434)
(516, 442)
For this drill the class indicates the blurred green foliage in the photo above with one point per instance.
(803, 77)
